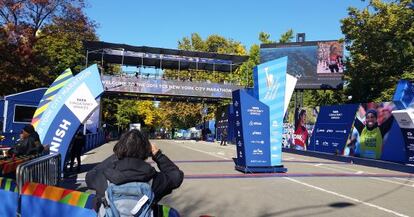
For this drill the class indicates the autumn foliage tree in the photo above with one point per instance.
(39, 39)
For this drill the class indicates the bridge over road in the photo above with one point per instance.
(312, 186)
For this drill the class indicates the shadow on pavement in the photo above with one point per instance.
(70, 178)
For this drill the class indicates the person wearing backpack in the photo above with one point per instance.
(127, 169)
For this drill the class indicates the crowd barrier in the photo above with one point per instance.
(93, 140)
(45, 169)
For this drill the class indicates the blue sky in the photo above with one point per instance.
(162, 23)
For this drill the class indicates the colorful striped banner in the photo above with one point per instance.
(8, 184)
(168, 211)
(50, 93)
(61, 195)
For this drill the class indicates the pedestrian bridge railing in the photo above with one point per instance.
(45, 170)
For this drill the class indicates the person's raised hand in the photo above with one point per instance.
(154, 149)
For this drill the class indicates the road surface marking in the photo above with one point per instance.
(205, 152)
(360, 172)
(347, 197)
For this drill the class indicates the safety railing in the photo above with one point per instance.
(93, 140)
(45, 169)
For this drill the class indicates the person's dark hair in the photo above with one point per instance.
(299, 113)
(303, 111)
(133, 144)
(29, 129)
(373, 112)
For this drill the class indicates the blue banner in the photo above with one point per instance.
(403, 99)
(404, 94)
(9, 202)
(139, 85)
(258, 116)
(333, 128)
(70, 107)
(252, 130)
(33, 206)
(50, 93)
(269, 88)
(409, 144)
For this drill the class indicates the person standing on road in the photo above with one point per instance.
(76, 151)
(223, 137)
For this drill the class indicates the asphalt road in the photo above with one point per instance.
(311, 187)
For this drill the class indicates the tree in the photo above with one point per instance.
(287, 36)
(126, 113)
(39, 39)
(380, 41)
(264, 38)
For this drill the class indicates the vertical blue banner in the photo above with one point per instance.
(408, 135)
(252, 127)
(404, 94)
(258, 116)
(235, 122)
(70, 107)
(269, 88)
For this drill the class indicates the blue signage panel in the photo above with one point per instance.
(404, 94)
(235, 117)
(332, 128)
(270, 80)
(252, 127)
(394, 145)
(409, 144)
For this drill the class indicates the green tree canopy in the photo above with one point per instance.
(380, 39)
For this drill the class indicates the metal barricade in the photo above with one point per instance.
(45, 169)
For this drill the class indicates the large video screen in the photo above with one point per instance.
(316, 64)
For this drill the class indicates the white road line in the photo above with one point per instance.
(347, 197)
(386, 180)
(333, 169)
(348, 169)
(405, 180)
(360, 172)
(205, 152)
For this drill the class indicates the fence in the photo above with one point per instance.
(93, 140)
(45, 170)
